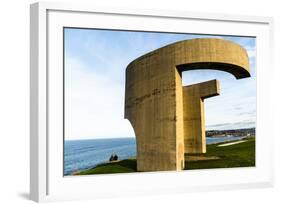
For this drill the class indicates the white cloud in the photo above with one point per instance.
(94, 104)
(251, 50)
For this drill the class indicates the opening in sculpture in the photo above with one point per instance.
(129, 109)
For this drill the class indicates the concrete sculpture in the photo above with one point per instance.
(154, 96)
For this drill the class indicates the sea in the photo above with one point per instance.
(85, 154)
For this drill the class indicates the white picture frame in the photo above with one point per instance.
(46, 178)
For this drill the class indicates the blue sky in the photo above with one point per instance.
(95, 63)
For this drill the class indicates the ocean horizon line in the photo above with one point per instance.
(104, 138)
(99, 138)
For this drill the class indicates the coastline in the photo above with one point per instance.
(211, 159)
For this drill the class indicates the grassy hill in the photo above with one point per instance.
(217, 156)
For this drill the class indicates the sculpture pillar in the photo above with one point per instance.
(194, 116)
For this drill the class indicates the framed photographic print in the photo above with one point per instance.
(127, 102)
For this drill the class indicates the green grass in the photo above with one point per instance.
(237, 155)
(123, 166)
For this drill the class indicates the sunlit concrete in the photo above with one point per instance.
(194, 116)
(154, 95)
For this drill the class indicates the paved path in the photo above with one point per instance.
(231, 143)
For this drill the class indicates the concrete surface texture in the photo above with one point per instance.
(193, 114)
(154, 95)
